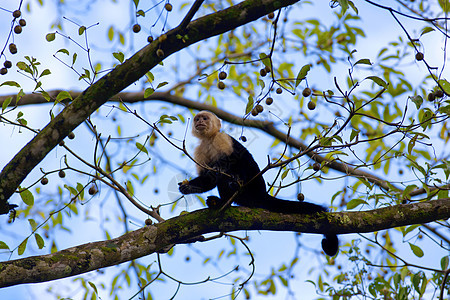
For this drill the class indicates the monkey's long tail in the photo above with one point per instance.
(330, 242)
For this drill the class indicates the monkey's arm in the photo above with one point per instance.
(203, 183)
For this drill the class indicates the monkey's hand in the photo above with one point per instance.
(185, 188)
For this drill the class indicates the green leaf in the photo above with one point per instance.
(445, 5)
(74, 58)
(354, 134)
(45, 72)
(148, 92)
(50, 37)
(130, 188)
(119, 56)
(411, 144)
(93, 286)
(81, 30)
(80, 190)
(445, 85)
(110, 33)
(265, 59)
(363, 61)
(27, 197)
(33, 224)
(302, 74)
(444, 261)
(65, 51)
(63, 95)
(22, 247)
(141, 147)
(250, 103)
(355, 203)
(378, 81)
(355, 9)
(416, 250)
(410, 228)
(408, 190)
(417, 100)
(39, 240)
(3, 245)
(11, 83)
(6, 103)
(161, 84)
(344, 5)
(426, 30)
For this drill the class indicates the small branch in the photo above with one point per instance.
(194, 8)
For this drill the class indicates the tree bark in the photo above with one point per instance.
(121, 77)
(162, 236)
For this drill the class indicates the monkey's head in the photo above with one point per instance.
(206, 125)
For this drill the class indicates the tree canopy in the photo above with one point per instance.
(342, 103)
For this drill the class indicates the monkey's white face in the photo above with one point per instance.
(205, 124)
(202, 122)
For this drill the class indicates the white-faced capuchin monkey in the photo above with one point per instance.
(232, 168)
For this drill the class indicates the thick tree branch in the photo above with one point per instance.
(160, 237)
(118, 79)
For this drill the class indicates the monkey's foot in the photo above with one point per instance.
(214, 202)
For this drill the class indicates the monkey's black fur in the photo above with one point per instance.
(234, 173)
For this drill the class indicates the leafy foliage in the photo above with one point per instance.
(355, 127)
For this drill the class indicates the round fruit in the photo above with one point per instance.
(17, 14)
(160, 53)
(12, 48)
(439, 93)
(62, 174)
(269, 100)
(254, 112)
(419, 56)
(243, 138)
(7, 64)
(316, 166)
(148, 222)
(61, 143)
(92, 190)
(311, 105)
(149, 39)
(259, 108)
(17, 29)
(301, 197)
(306, 92)
(22, 22)
(263, 72)
(279, 90)
(221, 85)
(168, 7)
(271, 15)
(431, 97)
(44, 181)
(3, 71)
(136, 28)
(223, 75)
(71, 135)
